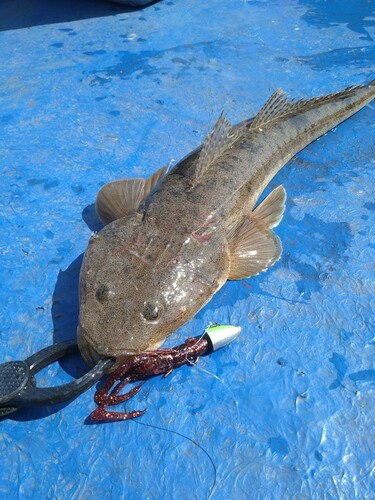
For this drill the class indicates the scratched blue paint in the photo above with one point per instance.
(93, 91)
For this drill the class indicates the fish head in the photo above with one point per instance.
(135, 290)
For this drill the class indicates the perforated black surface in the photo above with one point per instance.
(13, 378)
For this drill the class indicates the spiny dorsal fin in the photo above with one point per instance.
(279, 105)
(217, 142)
(276, 106)
(253, 246)
(121, 198)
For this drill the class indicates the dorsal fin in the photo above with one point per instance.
(121, 198)
(276, 106)
(217, 142)
(279, 105)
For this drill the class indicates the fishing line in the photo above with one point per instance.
(226, 386)
(213, 486)
(195, 443)
(264, 293)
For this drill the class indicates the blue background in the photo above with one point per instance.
(92, 92)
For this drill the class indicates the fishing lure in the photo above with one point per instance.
(149, 364)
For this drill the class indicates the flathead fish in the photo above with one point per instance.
(171, 242)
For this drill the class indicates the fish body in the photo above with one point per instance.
(172, 241)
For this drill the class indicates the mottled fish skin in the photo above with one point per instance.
(170, 243)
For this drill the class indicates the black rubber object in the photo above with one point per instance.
(17, 382)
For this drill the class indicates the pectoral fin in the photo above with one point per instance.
(254, 247)
(154, 179)
(270, 212)
(121, 198)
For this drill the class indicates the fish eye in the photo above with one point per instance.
(151, 312)
(103, 293)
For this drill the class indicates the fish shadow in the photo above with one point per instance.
(91, 218)
(65, 302)
(65, 314)
(65, 311)
(35, 412)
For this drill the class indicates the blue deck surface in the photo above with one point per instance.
(92, 92)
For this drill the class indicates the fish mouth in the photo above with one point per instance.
(90, 355)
